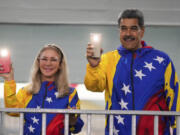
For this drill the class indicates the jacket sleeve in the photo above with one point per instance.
(95, 78)
(13, 100)
(172, 90)
(74, 103)
(10, 97)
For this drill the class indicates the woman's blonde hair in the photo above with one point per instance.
(61, 80)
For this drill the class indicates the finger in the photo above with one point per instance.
(1, 68)
(90, 47)
(89, 54)
(102, 50)
(11, 67)
(89, 51)
(89, 43)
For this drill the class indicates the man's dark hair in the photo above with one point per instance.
(130, 14)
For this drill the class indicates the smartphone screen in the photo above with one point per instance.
(95, 40)
(5, 61)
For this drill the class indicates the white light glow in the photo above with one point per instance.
(95, 37)
(4, 52)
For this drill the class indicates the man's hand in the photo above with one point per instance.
(89, 55)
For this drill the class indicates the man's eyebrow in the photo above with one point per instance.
(128, 26)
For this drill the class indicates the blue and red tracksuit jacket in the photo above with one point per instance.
(45, 98)
(144, 79)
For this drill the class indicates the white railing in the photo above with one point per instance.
(89, 113)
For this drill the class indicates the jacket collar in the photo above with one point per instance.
(139, 51)
(49, 85)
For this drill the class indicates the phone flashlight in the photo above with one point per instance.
(95, 40)
(5, 61)
(4, 52)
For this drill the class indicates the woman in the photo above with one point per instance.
(49, 88)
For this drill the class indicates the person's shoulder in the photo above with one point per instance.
(73, 93)
(161, 56)
(72, 90)
(26, 89)
(113, 53)
(160, 53)
(110, 58)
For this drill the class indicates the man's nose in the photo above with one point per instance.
(128, 31)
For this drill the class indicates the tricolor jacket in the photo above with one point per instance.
(45, 98)
(141, 80)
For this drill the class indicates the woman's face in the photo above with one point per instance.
(49, 63)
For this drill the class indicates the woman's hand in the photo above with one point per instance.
(73, 117)
(7, 76)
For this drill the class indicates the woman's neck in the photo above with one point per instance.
(48, 79)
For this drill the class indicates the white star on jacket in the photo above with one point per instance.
(149, 66)
(123, 104)
(139, 74)
(31, 129)
(35, 120)
(38, 107)
(115, 131)
(159, 59)
(49, 99)
(56, 94)
(125, 89)
(120, 119)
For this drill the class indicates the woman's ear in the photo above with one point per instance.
(60, 65)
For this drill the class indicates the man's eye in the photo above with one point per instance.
(123, 28)
(134, 28)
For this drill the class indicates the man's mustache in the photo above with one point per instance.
(129, 38)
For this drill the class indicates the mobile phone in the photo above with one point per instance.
(5, 61)
(95, 40)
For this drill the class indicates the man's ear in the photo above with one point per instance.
(142, 31)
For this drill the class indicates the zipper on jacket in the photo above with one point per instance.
(45, 95)
(132, 80)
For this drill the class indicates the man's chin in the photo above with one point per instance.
(129, 47)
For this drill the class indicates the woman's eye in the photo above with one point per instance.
(44, 59)
(54, 60)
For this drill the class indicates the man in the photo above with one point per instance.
(135, 77)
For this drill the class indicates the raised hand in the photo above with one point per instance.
(89, 55)
(7, 76)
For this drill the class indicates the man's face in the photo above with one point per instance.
(131, 33)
